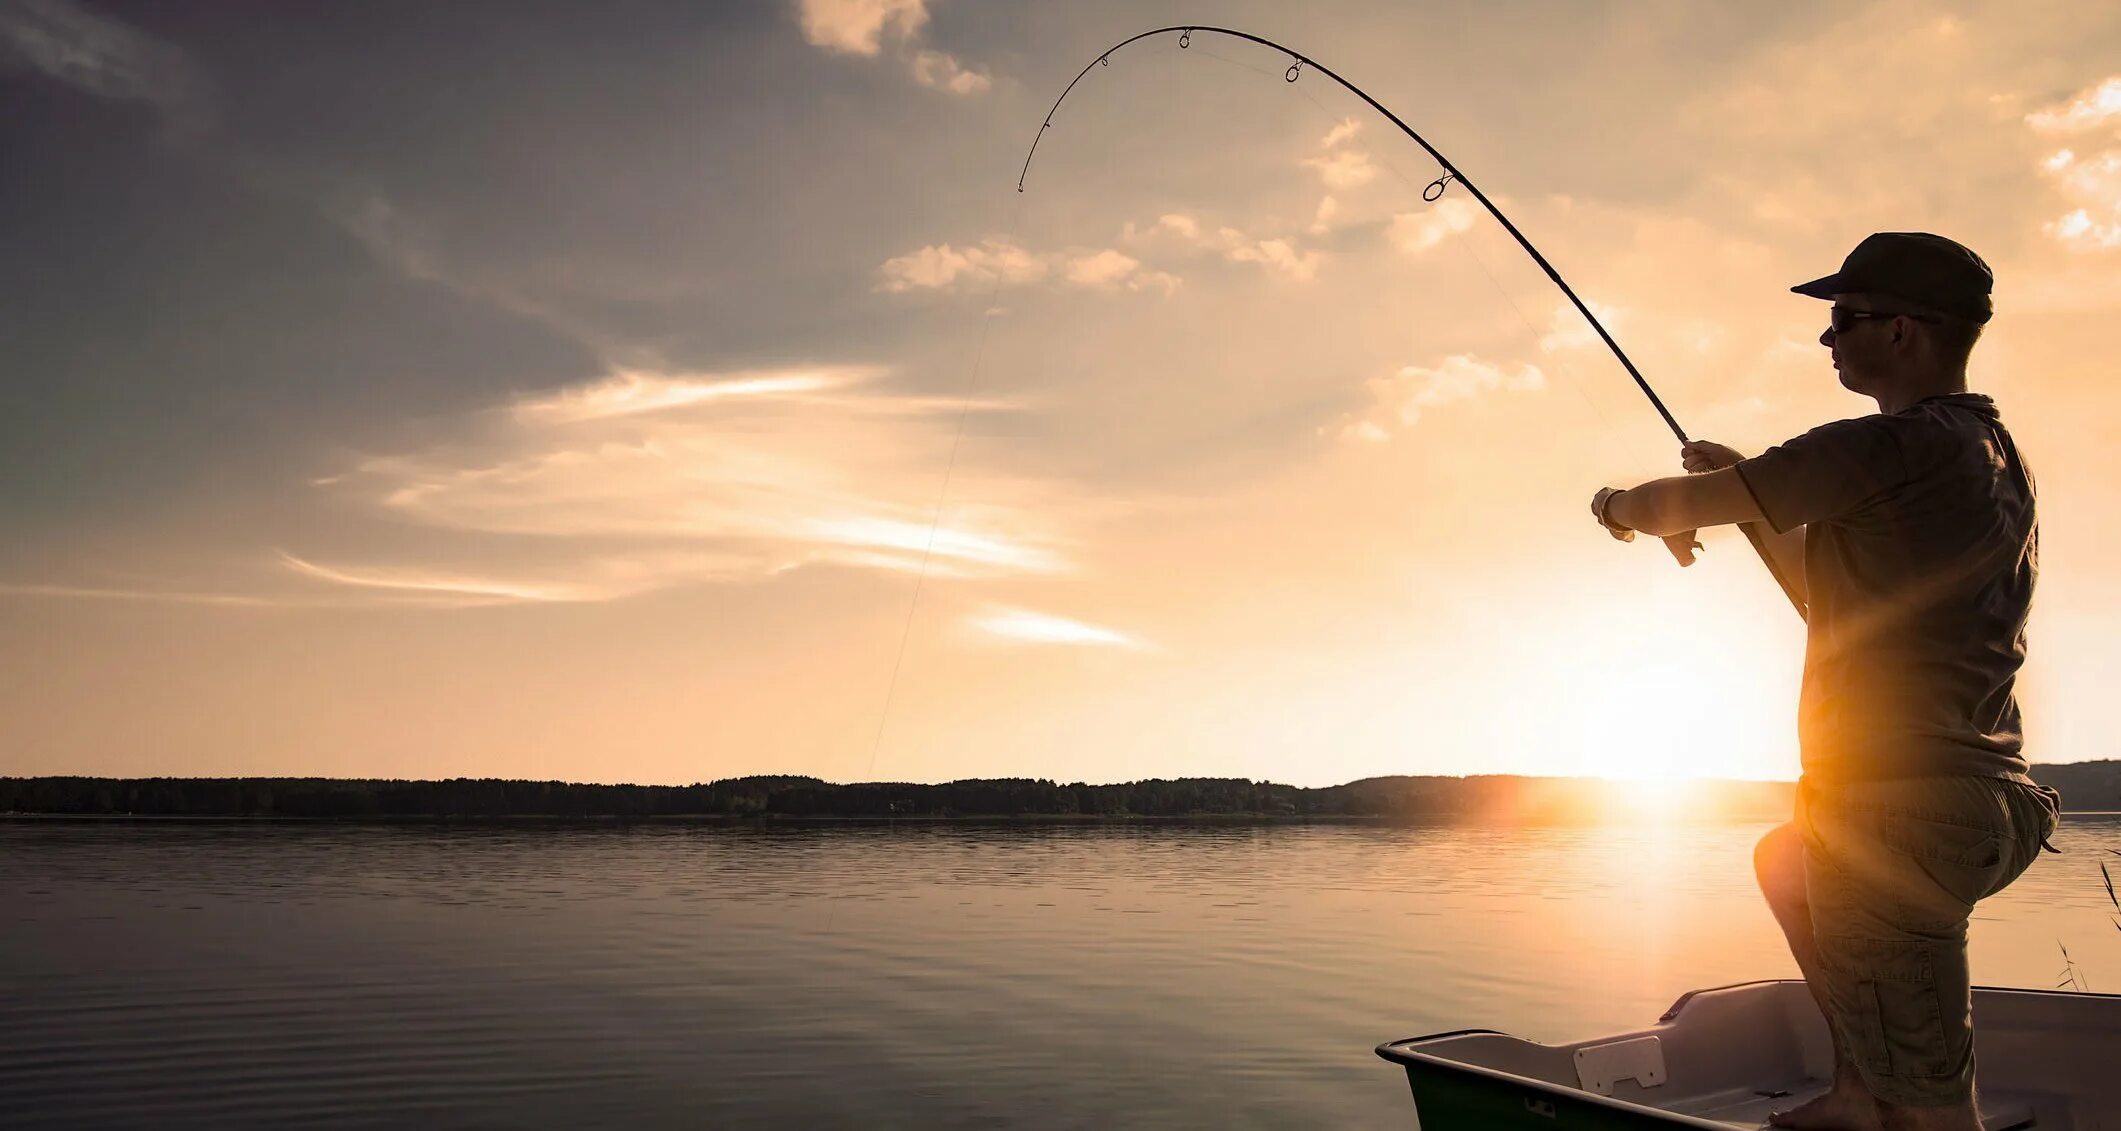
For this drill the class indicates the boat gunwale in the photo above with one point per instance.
(1404, 1053)
(1408, 1058)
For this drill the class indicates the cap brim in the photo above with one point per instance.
(1826, 287)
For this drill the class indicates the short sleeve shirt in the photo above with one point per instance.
(1921, 547)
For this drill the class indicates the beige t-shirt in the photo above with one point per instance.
(1920, 556)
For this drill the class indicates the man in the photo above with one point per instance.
(1908, 539)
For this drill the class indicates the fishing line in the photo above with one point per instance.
(987, 316)
(1435, 190)
(1432, 192)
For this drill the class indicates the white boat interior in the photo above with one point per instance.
(1726, 1057)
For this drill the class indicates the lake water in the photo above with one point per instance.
(880, 976)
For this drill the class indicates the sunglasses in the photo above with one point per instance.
(1844, 319)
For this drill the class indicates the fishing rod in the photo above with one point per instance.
(1433, 192)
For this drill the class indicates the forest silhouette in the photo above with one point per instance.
(2085, 787)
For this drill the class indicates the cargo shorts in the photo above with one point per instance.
(1892, 870)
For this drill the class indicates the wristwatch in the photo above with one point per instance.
(1602, 506)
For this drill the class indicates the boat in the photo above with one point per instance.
(1726, 1057)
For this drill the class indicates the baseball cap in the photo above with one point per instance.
(1929, 269)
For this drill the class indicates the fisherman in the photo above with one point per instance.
(1908, 540)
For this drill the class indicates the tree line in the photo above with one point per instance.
(2084, 786)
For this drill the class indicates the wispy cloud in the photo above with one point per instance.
(1343, 168)
(1322, 220)
(1275, 254)
(1341, 131)
(1280, 255)
(641, 481)
(1416, 232)
(628, 391)
(91, 592)
(1027, 627)
(102, 56)
(277, 598)
(409, 245)
(1567, 329)
(1399, 401)
(860, 27)
(598, 580)
(947, 267)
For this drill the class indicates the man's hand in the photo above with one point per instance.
(1699, 456)
(1599, 502)
(1682, 545)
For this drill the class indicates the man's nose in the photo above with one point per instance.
(1826, 338)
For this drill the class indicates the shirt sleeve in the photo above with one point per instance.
(1829, 472)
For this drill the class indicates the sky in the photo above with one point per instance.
(668, 392)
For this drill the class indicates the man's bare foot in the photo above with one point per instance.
(1848, 1106)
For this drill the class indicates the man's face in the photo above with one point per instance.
(1863, 351)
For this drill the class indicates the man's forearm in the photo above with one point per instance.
(1645, 508)
(1664, 507)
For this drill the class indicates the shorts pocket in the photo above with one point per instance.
(1912, 1026)
(1943, 841)
(1897, 1026)
(1966, 863)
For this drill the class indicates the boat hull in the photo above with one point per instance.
(1724, 1058)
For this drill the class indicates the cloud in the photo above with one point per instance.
(1343, 168)
(640, 481)
(2090, 109)
(402, 242)
(627, 392)
(859, 27)
(856, 27)
(2090, 183)
(1233, 244)
(944, 267)
(1276, 254)
(1341, 132)
(2077, 230)
(101, 56)
(941, 266)
(158, 595)
(1107, 269)
(1399, 401)
(1101, 269)
(1028, 627)
(1568, 330)
(1416, 232)
(597, 580)
(1180, 223)
(1322, 220)
(941, 71)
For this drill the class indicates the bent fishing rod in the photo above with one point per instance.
(1433, 192)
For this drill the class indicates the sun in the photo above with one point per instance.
(1714, 701)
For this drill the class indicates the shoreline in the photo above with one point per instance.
(1385, 820)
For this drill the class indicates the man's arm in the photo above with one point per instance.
(1664, 507)
(1685, 503)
